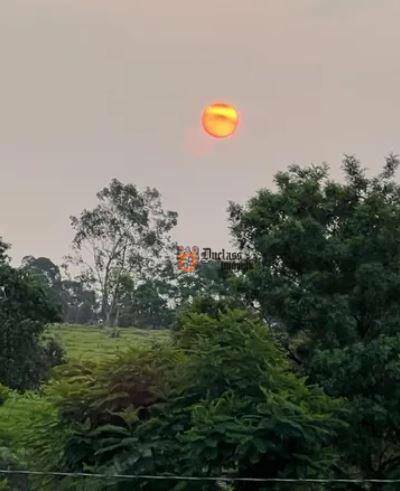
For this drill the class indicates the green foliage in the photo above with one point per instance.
(208, 281)
(220, 400)
(18, 415)
(146, 305)
(326, 274)
(250, 409)
(203, 304)
(31, 432)
(127, 235)
(25, 308)
(77, 302)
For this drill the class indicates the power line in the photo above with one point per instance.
(198, 478)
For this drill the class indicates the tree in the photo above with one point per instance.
(45, 268)
(127, 233)
(326, 273)
(25, 309)
(208, 280)
(77, 302)
(145, 305)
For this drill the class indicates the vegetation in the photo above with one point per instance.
(219, 399)
(290, 368)
(25, 308)
(326, 274)
(128, 242)
(77, 302)
(19, 412)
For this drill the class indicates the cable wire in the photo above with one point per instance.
(198, 478)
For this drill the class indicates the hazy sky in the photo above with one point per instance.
(91, 90)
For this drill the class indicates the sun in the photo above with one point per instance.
(220, 120)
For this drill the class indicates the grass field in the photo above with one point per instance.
(96, 343)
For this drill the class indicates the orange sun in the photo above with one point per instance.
(220, 120)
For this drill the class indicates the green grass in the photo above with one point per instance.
(96, 343)
(17, 411)
(80, 343)
(17, 414)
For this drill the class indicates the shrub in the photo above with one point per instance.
(221, 400)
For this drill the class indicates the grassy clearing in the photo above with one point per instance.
(96, 343)
(80, 343)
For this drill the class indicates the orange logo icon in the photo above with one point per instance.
(188, 258)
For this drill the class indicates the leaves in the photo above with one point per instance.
(220, 401)
(25, 309)
(126, 236)
(327, 274)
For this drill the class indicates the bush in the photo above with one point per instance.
(221, 400)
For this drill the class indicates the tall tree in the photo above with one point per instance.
(127, 233)
(326, 271)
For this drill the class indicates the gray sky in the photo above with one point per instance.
(91, 90)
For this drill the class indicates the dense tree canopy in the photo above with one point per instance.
(326, 273)
(146, 305)
(25, 309)
(77, 302)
